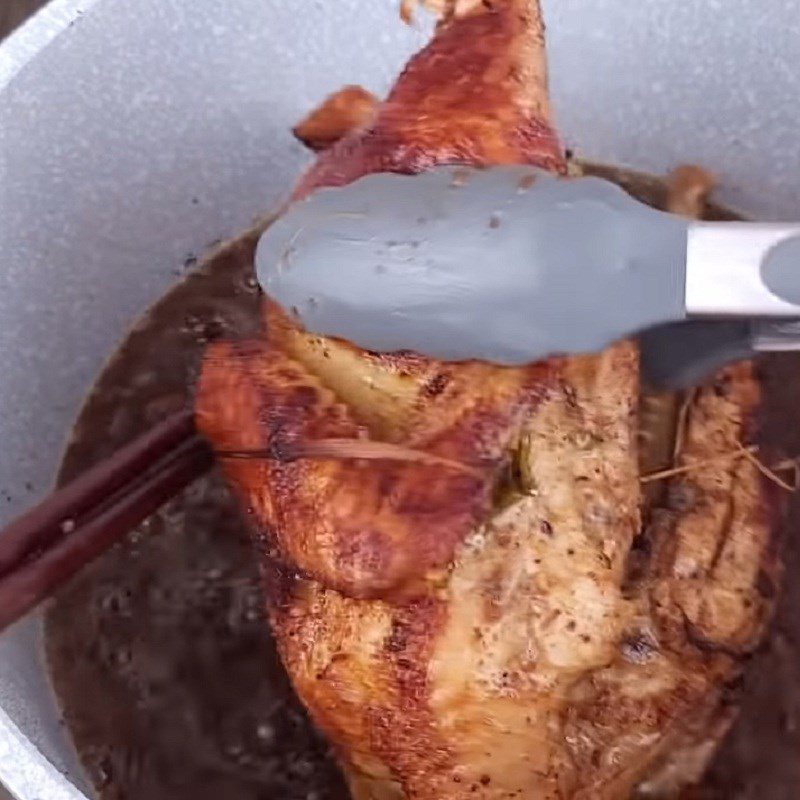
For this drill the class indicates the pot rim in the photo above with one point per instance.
(38, 31)
(24, 770)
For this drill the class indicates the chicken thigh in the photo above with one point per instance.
(471, 592)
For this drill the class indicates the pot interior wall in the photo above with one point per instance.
(143, 131)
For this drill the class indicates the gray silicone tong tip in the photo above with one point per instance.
(678, 356)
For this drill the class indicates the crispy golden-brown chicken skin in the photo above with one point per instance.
(470, 590)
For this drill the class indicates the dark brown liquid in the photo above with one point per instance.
(160, 652)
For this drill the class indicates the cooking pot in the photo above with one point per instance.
(135, 132)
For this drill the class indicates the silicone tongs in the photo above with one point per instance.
(512, 265)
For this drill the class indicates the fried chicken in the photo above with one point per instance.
(472, 594)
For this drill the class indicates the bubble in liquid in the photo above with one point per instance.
(115, 601)
(265, 733)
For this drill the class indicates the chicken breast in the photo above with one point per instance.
(472, 594)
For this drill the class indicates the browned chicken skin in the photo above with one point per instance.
(347, 110)
(462, 612)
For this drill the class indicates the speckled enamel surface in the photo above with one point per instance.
(134, 133)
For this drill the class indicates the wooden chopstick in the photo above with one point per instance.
(45, 547)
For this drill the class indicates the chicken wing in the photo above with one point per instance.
(469, 589)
